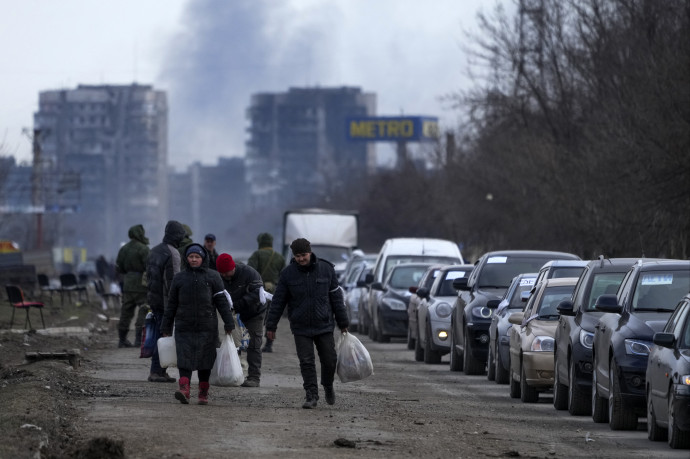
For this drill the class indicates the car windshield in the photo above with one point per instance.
(525, 285)
(428, 280)
(603, 284)
(446, 287)
(551, 298)
(498, 272)
(559, 272)
(405, 277)
(395, 260)
(660, 291)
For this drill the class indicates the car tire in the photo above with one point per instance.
(372, 331)
(455, 357)
(560, 391)
(430, 356)
(410, 339)
(620, 416)
(599, 412)
(418, 349)
(579, 404)
(502, 375)
(514, 387)
(677, 439)
(528, 394)
(654, 432)
(471, 366)
(491, 365)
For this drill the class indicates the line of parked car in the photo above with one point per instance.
(608, 338)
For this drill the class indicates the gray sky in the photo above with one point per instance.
(211, 55)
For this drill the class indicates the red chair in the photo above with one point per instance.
(16, 297)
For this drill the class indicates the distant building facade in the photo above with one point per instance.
(103, 160)
(298, 152)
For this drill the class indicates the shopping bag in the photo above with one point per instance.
(354, 362)
(227, 370)
(149, 337)
(243, 334)
(167, 353)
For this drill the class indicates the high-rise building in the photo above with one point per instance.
(104, 149)
(298, 153)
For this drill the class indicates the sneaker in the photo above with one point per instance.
(153, 377)
(250, 383)
(167, 377)
(330, 394)
(267, 348)
(310, 401)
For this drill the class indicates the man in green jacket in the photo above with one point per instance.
(131, 264)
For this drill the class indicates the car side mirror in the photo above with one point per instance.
(493, 304)
(516, 318)
(565, 308)
(460, 283)
(377, 286)
(423, 292)
(664, 339)
(608, 303)
(369, 278)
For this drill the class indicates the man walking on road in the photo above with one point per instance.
(243, 283)
(131, 263)
(163, 263)
(210, 246)
(309, 288)
(268, 263)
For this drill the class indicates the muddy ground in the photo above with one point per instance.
(105, 408)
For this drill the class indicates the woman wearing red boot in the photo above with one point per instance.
(195, 294)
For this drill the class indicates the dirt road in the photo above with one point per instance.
(406, 409)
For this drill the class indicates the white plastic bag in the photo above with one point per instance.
(167, 352)
(354, 362)
(264, 296)
(227, 370)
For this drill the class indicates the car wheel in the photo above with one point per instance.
(514, 386)
(654, 432)
(677, 439)
(455, 357)
(471, 365)
(491, 365)
(430, 356)
(599, 411)
(502, 374)
(528, 394)
(410, 339)
(363, 323)
(418, 349)
(372, 330)
(578, 402)
(560, 391)
(620, 416)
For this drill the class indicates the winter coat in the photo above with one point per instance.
(268, 263)
(312, 296)
(244, 288)
(195, 296)
(131, 260)
(162, 264)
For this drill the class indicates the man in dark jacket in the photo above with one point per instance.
(131, 264)
(163, 263)
(210, 246)
(268, 264)
(309, 288)
(243, 283)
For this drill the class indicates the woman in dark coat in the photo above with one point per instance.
(195, 294)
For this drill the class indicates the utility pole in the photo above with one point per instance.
(37, 201)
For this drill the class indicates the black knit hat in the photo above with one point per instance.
(300, 245)
(196, 248)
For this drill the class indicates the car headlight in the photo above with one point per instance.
(637, 347)
(684, 380)
(543, 344)
(395, 305)
(481, 312)
(586, 339)
(443, 310)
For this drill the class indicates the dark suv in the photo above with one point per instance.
(647, 297)
(471, 316)
(575, 333)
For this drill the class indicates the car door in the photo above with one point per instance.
(518, 332)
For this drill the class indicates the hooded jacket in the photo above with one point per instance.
(131, 260)
(267, 262)
(313, 298)
(162, 264)
(195, 296)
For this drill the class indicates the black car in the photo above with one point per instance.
(668, 381)
(575, 333)
(471, 316)
(647, 297)
(515, 299)
(389, 312)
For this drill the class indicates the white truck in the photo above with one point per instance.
(333, 234)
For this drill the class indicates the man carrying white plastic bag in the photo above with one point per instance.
(354, 361)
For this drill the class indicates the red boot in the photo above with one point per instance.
(183, 394)
(203, 393)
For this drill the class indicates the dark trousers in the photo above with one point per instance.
(130, 301)
(255, 327)
(325, 346)
(204, 375)
(155, 359)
